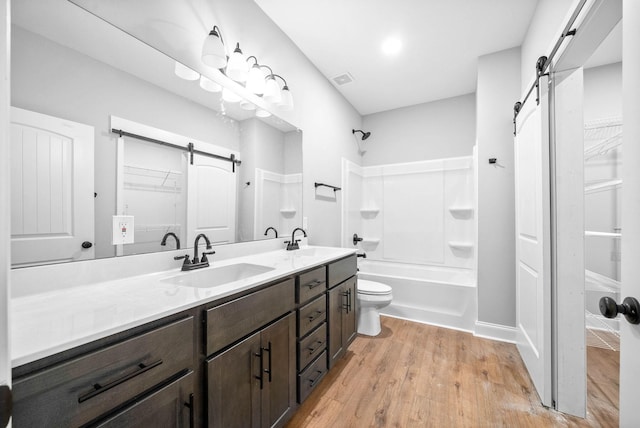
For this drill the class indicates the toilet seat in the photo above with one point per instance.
(372, 288)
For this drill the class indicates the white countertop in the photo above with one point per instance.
(46, 323)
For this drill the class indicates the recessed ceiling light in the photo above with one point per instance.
(391, 46)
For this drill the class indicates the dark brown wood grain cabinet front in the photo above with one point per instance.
(252, 384)
(341, 318)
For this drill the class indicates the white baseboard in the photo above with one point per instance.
(495, 332)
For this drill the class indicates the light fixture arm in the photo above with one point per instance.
(277, 75)
(215, 31)
(255, 59)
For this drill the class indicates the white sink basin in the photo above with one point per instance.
(215, 277)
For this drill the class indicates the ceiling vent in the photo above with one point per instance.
(343, 79)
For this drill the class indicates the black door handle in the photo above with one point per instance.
(630, 308)
(87, 244)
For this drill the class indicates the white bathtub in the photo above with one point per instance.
(434, 295)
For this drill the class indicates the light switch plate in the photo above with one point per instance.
(122, 229)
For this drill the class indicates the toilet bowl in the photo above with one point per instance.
(372, 296)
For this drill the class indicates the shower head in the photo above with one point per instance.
(365, 135)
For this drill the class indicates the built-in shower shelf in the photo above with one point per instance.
(602, 186)
(602, 234)
(594, 281)
(459, 245)
(461, 211)
(288, 211)
(369, 212)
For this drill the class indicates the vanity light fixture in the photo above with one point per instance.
(272, 90)
(262, 113)
(229, 96)
(255, 78)
(286, 99)
(209, 85)
(184, 72)
(213, 52)
(237, 67)
(247, 105)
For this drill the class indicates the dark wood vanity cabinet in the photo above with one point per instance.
(107, 386)
(342, 307)
(251, 382)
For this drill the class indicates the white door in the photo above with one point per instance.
(52, 199)
(533, 270)
(211, 200)
(630, 286)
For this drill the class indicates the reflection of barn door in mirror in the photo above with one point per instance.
(211, 200)
(52, 208)
(533, 236)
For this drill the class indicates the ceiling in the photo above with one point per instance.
(441, 42)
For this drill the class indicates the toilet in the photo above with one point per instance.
(372, 296)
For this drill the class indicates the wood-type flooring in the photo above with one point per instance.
(417, 375)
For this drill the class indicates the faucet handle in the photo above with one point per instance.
(204, 258)
(185, 257)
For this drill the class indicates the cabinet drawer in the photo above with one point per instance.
(235, 319)
(311, 377)
(82, 389)
(310, 284)
(312, 315)
(311, 346)
(341, 270)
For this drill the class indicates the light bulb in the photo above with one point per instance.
(272, 91)
(213, 53)
(286, 102)
(262, 113)
(209, 85)
(184, 72)
(247, 105)
(237, 67)
(255, 80)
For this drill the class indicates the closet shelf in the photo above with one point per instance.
(602, 136)
(459, 245)
(602, 186)
(602, 234)
(598, 282)
(461, 211)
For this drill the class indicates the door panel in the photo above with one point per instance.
(52, 207)
(533, 272)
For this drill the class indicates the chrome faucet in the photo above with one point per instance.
(197, 263)
(271, 228)
(293, 244)
(166, 235)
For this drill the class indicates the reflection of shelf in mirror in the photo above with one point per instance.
(596, 282)
(369, 212)
(602, 234)
(601, 186)
(461, 211)
(152, 179)
(151, 187)
(458, 245)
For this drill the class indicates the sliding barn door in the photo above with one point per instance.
(533, 235)
(52, 208)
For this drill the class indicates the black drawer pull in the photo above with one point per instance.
(311, 349)
(190, 406)
(261, 377)
(314, 283)
(268, 349)
(314, 381)
(316, 316)
(99, 389)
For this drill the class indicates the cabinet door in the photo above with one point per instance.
(337, 305)
(349, 324)
(171, 405)
(279, 392)
(233, 386)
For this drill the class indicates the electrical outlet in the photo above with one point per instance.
(122, 229)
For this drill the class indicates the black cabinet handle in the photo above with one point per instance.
(189, 406)
(99, 389)
(316, 316)
(349, 301)
(261, 377)
(268, 349)
(314, 381)
(345, 306)
(314, 284)
(311, 349)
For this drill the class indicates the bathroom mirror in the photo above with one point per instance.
(74, 77)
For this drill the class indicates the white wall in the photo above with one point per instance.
(434, 130)
(497, 90)
(55, 80)
(543, 31)
(603, 92)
